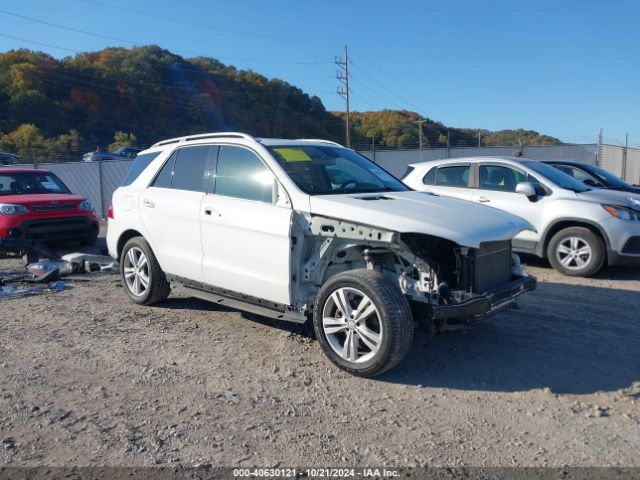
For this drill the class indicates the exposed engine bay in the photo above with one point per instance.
(442, 280)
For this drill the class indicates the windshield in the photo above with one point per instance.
(30, 183)
(608, 177)
(320, 170)
(554, 175)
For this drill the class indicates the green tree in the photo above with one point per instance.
(122, 139)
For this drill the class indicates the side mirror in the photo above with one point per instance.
(590, 183)
(527, 189)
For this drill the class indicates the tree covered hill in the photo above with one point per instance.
(399, 129)
(144, 94)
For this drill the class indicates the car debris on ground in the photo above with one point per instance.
(43, 275)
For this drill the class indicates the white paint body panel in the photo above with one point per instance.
(247, 247)
(462, 222)
(174, 224)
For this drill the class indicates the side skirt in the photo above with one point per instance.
(235, 300)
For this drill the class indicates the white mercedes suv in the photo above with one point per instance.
(309, 230)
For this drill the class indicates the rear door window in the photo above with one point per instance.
(453, 176)
(191, 170)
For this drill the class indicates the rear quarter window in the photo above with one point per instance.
(139, 165)
(430, 177)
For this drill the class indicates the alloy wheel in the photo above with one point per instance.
(136, 271)
(351, 324)
(574, 253)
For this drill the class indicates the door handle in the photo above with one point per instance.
(148, 203)
(484, 200)
(211, 212)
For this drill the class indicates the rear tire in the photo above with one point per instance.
(144, 281)
(363, 322)
(576, 252)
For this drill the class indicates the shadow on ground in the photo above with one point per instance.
(571, 338)
(607, 273)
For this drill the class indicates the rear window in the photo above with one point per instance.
(139, 164)
(30, 183)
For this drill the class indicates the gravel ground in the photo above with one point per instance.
(88, 378)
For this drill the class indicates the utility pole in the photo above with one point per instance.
(624, 157)
(343, 76)
(479, 138)
(448, 142)
(420, 122)
(599, 150)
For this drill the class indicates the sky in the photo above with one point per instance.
(564, 67)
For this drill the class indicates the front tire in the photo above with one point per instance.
(576, 252)
(144, 281)
(363, 322)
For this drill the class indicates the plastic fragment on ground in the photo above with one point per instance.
(45, 266)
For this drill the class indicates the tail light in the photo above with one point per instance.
(110, 211)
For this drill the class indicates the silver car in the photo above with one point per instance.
(578, 228)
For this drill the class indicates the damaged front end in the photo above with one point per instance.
(448, 285)
(456, 287)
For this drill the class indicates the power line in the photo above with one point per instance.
(131, 42)
(394, 90)
(174, 20)
(71, 29)
(42, 44)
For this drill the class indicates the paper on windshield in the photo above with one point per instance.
(293, 154)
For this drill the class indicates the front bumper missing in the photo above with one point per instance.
(480, 307)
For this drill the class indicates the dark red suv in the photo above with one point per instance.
(36, 205)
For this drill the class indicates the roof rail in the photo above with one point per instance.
(204, 136)
(320, 140)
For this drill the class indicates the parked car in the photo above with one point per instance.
(577, 228)
(9, 159)
(593, 176)
(309, 229)
(36, 205)
(122, 153)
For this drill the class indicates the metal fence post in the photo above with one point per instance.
(101, 188)
(373, 147)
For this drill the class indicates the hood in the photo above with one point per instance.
(465, 223)
(613, 197)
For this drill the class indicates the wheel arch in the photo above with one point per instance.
(562, 223)
(124, 238)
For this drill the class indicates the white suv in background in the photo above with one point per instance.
(577, 228)
(294, 229)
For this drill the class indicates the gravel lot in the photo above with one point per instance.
(88, 378)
